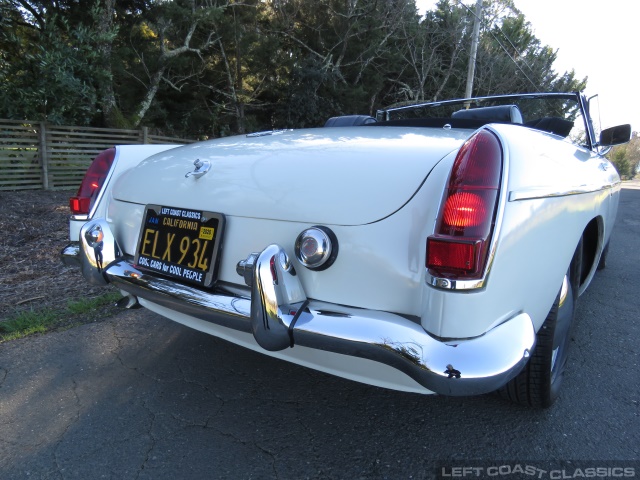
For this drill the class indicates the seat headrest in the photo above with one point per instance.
(499, 113)
(350, 121)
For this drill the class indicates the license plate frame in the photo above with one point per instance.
(180, 243)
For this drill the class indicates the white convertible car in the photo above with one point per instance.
(438, 248)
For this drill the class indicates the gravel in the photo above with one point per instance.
(34, 227)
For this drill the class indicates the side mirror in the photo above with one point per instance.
(615, 135)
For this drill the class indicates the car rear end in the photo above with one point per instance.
(345, 250)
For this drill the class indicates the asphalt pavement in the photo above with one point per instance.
(140, 397)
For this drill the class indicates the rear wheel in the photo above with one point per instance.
(538, 385)
(602, 264)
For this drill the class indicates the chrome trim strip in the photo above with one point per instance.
(279, 315)
(448, 284)
(387, 111)
(200, 168)
(538, 193)
(222, 308)
(449, 367)
(276, 297)
(588, 122)
(98, 249)
(268, 133)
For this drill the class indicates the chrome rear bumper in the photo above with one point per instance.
(279, 315)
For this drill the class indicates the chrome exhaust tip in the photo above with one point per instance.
(129, 302)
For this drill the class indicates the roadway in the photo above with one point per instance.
(138, 396)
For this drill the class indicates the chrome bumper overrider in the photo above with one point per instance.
(278, 313)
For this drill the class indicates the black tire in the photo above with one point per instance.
(602, 264)
(538, 385)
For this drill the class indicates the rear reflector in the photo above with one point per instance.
(92, 183)
(454, 256)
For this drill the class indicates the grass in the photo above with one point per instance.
(86, 305)
(29, 322)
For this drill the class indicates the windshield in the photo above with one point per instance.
(560, 114)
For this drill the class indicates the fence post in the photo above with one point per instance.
(145, 135)
(44, 157)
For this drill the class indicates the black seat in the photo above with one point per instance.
(556, 125)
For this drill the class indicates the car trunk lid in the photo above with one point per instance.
(330, 176)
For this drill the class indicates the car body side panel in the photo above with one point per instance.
(537, 238)
(552, 168)
(533, 253)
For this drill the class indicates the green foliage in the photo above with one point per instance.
(626, 157)
(48, 74)
(29, 322)
(204, 68)
(86, 305)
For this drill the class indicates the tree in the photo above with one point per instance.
(216, 67)
(432, 54)
(337, 53)
(105, 35)
(169, 46)
(512, 60)
(626, 157)
(48, 64)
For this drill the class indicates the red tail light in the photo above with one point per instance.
(459, 248)
(92, 183)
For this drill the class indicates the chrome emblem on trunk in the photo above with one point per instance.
(202, 167)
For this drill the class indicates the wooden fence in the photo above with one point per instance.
(35, 155)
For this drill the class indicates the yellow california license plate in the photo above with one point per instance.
(180, 243)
